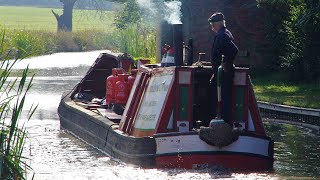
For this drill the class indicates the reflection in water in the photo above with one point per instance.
(55, 154)
(297, 150)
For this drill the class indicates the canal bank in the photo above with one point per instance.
(305, 117)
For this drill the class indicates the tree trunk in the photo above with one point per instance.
(64, 20)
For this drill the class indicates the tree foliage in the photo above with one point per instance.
(293, 28)
(130, 14)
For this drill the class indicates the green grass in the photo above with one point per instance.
(152, 59)
(276, 88)
(33, 18)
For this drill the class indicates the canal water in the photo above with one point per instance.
(56, 155)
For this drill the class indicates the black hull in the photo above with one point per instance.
(102, 134)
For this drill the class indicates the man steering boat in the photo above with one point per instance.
(223, 54)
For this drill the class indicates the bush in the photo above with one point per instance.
(33, 43)
(137, 40)
(293, 29)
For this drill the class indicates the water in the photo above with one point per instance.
(55, 154)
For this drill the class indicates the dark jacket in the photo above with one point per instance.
(223, 45)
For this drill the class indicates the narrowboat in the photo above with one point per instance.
(162, 118)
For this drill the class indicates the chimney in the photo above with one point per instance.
(178, 44)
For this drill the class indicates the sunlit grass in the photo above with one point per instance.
(276, 89)
(34, 18)
(152, 59)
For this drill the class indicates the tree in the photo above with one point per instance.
(308, 25)
(65, 19)
(130, 14)
(293, 28)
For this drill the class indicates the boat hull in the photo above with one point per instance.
(103, 134)
(243, 162)
(187, 150)
(170, 150)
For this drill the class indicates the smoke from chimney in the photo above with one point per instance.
(169, 11)
(173, 12)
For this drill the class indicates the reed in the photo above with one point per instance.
(12, 97)
(138, 40)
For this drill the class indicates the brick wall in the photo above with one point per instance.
(247, 25)
(244, 21)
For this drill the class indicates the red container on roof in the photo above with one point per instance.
(121, 89)
(132, 78)
(110, 86)
(119, 71)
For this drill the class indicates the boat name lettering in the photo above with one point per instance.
(148, 117)
(158, 87)
(150, 103)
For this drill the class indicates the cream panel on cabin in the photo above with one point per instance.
(192, 143)
(240, 78)
(184, 77)
(153, 101)
(250, 122)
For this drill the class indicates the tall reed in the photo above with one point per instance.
(137, 40)
(13, 94)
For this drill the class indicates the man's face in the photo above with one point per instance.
(215, 27)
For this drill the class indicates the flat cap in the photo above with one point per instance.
(216, 17)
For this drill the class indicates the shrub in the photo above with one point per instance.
(293, 29)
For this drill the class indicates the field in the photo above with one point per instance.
(33, 18)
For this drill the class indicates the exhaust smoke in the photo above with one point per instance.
(173, 12)
(169, 11)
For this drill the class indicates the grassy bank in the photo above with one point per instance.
(31, 31)
(276, 88)
(33, 43)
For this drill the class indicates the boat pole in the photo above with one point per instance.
(219, 81)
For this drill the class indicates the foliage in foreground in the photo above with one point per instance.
(13, 93)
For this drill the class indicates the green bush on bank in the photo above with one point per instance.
(135, 41)
(26, 43)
